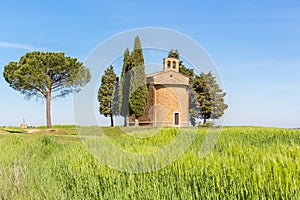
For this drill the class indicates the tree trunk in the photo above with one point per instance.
(127, 121)
(204, 120)
(136, 122)
(111, 120)
(48, 112)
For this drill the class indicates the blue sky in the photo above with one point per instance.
(255, 45)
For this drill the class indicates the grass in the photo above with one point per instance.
(245, 163)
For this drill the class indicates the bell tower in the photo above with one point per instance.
(171, 64)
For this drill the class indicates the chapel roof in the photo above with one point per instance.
(167, 78)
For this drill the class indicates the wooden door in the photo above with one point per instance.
(176, 119)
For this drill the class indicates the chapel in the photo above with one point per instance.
(168, 97)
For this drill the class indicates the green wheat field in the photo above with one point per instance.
(245, 163)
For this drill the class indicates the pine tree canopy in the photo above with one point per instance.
(173, 54)
(209, 95)
(47, 75)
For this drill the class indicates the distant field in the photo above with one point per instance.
(246, 163)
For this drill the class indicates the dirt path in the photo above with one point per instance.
(32, 130)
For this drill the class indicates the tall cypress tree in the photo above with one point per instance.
(125, 86)
(116, 98)
(138, 85)
(106, 93)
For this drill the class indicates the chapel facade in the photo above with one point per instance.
(168, 97)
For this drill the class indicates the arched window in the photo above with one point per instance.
(169, 64)
(174, 65)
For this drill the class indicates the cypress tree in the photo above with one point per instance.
(116, 98)
(106, 93)
(138, 85)
(125, 86)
